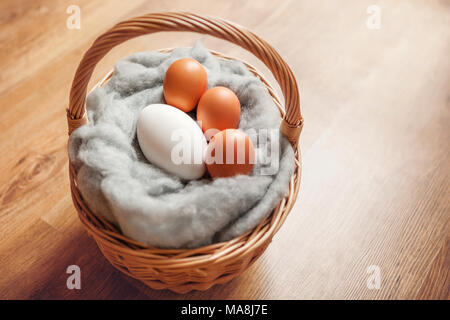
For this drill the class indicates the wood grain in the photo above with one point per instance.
(376, 151)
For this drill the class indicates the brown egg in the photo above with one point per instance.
(185, 82)
(230, 152)
(218, 109)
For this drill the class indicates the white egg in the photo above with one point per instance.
(172, 140)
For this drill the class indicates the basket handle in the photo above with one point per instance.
(154, 22)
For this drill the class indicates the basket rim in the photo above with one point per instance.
(108, 237)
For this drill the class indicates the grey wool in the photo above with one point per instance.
(158, 208)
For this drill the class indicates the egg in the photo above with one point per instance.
(171, 140)
(184, 83)
(218, 109)
(230, 152)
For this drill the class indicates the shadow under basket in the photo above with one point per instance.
(183, 270)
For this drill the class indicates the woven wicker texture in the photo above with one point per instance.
(183, 270)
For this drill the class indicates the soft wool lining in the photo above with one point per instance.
(151, 205)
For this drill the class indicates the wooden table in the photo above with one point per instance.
(374, 196)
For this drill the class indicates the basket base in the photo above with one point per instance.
(174, 281)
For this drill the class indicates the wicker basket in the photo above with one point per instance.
(183, 270)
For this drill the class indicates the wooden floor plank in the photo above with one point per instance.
(437, 283)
